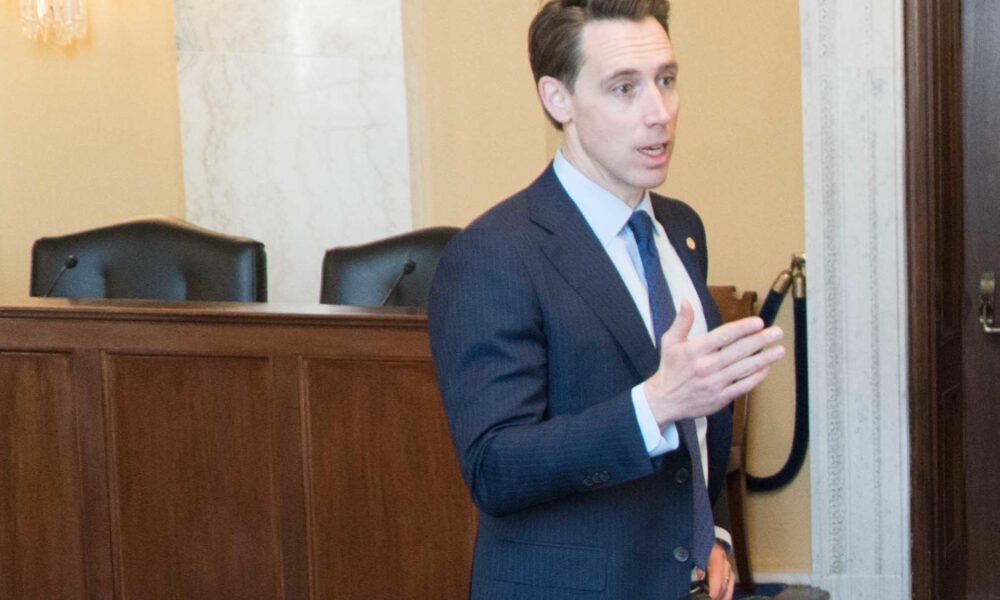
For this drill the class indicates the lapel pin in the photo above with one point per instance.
(691, 244)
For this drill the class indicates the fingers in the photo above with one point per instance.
(749, 345)
(681, 326)
(746, 354)
(728, 333)
(743, 386)
(717, 583)
(745, 367)
(721, 583)
(720, 572)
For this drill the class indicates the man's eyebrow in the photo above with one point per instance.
(620, 74)
(670, 66)
(627, 73)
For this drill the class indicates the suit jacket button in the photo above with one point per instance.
(681, 554)
(605, 476)
(682, 475)
(587, 481)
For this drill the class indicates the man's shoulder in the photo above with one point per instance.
(509, 212)
(676, 213)
(672, 207)
(514, 212)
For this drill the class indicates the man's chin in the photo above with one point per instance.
(653, 180)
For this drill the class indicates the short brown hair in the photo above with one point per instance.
(554, 35)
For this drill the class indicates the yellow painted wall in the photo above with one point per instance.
(477, 132)
(479, 135)
(739, 162)
(89, 134)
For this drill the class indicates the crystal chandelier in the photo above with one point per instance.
(60, 21)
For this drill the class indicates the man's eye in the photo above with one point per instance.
(668, 80)
(624, 89)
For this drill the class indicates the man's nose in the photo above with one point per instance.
(655, 106)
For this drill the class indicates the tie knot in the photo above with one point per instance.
(642, 227)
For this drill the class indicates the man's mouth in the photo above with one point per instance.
(655, 150)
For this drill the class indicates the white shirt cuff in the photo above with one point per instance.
(723, 536)
(657, 442)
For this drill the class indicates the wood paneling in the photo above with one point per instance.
(198, 450)
(379, 452)
(192, 460)
(40, 498)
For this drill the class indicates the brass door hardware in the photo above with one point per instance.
(987, 297)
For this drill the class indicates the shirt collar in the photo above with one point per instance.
(606, 214)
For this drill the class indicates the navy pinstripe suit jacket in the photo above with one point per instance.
(537, 344)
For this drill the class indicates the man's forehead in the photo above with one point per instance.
(621, 44)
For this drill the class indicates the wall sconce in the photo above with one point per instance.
(59, 21)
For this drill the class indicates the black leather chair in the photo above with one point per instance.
(372, 274)
(156, 258)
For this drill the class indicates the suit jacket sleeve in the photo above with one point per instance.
(489, 342)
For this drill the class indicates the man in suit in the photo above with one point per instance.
(591, 425)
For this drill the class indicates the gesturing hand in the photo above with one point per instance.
(720, 580)
(699, 377)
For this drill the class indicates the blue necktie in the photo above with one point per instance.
(661, 306)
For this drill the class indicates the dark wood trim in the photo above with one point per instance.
(921, 346)
(933, 186)
(213, 312)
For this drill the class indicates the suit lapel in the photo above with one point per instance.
(577, 254)
(678, 232)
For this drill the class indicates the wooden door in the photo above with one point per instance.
(981, 350)
(953, 236)
(935, 256)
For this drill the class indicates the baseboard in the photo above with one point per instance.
(789, 578)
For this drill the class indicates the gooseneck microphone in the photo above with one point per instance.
(408, 267)
(69, 263)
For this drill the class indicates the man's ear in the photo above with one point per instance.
(556, 98)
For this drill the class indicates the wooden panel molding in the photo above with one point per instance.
(379, 452)
(41, 555)
(192, 469)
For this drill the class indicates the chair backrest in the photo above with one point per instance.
(364, 275)
(733, 307)
(157, 258)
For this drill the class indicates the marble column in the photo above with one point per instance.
(293, 117)
(853, 117)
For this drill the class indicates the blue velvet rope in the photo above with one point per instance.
(769, 310)
(800, 439)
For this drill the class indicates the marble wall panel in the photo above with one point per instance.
(853, 115)
(293, 117)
